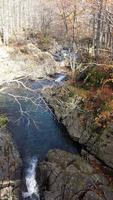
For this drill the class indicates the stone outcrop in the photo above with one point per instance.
(70, 177)
(98, 142)
(26, 61)
(10, 167)
(80, 124)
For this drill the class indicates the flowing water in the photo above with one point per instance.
(35, 130)
(30, 178)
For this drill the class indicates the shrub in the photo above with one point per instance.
(102, 119)
(98, 82)
(71, 94)
(43, 42)
(104, 57)
(94, 76)
(105, 93)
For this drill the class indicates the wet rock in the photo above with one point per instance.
(10, 190)
(68, 176)
(10, 167)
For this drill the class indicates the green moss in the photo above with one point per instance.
(71, 94)
(3, 120)
(95, 78)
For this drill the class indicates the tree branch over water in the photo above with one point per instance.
(28, 96)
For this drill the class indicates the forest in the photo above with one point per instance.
(88, 24)
(56, 100)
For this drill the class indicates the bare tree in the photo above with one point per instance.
(15, 15)
(102, 27)
(46, 19)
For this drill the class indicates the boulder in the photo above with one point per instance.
(81, 128)
(68, 176)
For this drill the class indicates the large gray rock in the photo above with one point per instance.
(70, 177)
(80, 124)
(103, 146)
(82, 129)
(10, 167)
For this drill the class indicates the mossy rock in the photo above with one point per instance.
(3, 120)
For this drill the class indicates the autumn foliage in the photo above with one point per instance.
(99, 82)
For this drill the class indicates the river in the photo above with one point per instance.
(35, 130)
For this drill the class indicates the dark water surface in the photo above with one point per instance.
(35, 130)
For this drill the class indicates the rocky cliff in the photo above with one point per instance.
(10, 167)
(66, 176)
(80, 124)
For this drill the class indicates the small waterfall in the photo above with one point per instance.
(60, 78)
(31, 183)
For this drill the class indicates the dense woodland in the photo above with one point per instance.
(84, 23)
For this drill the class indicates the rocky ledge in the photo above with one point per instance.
(65, 176)
(80, 124)
(25, 61)
(10, 167)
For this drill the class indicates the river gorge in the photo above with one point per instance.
(35, 129)
(50, 148)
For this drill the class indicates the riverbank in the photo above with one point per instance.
(27, 61)
(67, 105)
(10, 167)
(28, 117)
(58, 179)
(85, 118)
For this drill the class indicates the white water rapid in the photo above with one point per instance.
(60, 78)
(31, 183)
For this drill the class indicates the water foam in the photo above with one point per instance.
(60, 78)
(31, 183)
